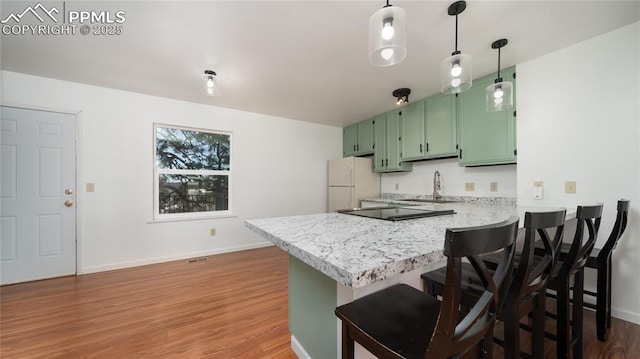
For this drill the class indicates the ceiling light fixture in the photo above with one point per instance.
(213, 88)
(499, 95)
(401, 95)
(455, 71)
(388, 36)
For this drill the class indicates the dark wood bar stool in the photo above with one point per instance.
(403, 322)
(600, 260)
(568, 270)
(526, 295)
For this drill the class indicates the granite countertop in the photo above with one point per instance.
(357, 251)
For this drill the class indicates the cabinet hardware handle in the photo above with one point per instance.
(387, 162)
(427, 146)
(358, 147)
(461, 153)
(421, 148)
(382, 163)
(354, 147)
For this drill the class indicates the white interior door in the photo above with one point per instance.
(37, 193)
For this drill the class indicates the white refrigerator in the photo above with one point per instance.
(350, 180)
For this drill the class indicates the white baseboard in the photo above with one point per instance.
(625, 315)
(298, 349)
(146, 261)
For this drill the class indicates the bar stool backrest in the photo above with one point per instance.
(454, 335)
(618, 229)
(588, 217)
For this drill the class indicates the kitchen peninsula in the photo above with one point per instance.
(335, 258)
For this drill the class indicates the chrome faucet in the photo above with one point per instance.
(436, 186)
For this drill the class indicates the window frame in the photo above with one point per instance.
(157, 216)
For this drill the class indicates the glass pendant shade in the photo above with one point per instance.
(388, 36)
(455, 74)
(499, 96)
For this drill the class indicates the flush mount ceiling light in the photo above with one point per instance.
(212, 86)
(499, 96)
(388, 36)
(455, 71)
(401, 95)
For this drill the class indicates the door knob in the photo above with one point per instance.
(68, 191)
(68, 203)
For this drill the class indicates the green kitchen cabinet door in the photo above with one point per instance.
(386, 155)
(440, 126)
(380, 150)
(350, 141)
(393, 145)
(485, 138)
(366, 138)
(412, 120)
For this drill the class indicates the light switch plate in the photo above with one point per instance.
(90, 187)
(470, 186)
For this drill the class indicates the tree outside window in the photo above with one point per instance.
(193, 171)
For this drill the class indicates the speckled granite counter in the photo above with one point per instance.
(336, 258)
(357, 251)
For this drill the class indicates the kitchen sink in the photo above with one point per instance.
(425, 200)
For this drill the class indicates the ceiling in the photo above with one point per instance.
(304, 60)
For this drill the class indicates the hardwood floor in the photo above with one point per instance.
(229, 306)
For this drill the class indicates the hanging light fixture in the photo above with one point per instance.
(455, 71)
(401, 95)
(499, 95)
(388, 36)
(212, 86)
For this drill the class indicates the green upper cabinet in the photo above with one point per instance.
(358, 139)
(387, 149)
(429, 128)
(413, 140)
(440, 126)
(485, 138)
(350, 141)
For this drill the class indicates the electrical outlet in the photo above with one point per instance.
(397, 186)
(570, 187)
(212, 232)
(470, 186)
(538, 184)
(493, 186)
(90, 187)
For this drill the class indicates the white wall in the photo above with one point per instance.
(579, 120)
(279, 168)
(453, 179)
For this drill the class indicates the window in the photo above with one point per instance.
(192, 172)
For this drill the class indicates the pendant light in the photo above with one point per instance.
(212, 86)
(387, 36)
(499, 96)
(455, 71)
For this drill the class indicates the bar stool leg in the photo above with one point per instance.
(537, 332)
(563, 329)
(578, 313)
(602, 299)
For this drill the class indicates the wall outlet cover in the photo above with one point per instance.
(493, 186)
(570, 187)
(538, 193)
(470, 186)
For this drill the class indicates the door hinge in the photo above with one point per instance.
(514, 75)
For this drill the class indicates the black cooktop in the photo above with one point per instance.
(396, 214)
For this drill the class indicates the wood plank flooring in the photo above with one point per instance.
(229, 306)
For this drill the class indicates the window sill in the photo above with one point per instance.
(186, 219)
